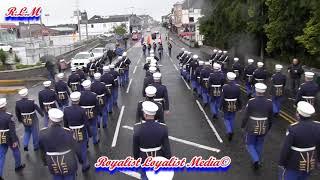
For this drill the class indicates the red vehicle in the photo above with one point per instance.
(135, 36)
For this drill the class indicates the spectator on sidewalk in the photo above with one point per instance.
(110, 55)
(62, 65)
(10, 60)
(51, 70)
(295, 72)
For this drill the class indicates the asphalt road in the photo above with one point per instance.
(186, 122)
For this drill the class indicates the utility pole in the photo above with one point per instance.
(78, 18)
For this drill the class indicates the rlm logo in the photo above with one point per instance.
(23, 14)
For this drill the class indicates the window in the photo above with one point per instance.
(92, 26)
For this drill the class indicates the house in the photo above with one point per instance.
(146, 20)
(35, 30)
(103, 24)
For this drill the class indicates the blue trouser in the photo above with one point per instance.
(68, 177)
(114, 98)
(215, 104)
(82, 151)
(254, 146)
(63, 104)
(229, 121)
(3, 152)
(126, 75)
(104, 116)
(194, 84)
(205, 96)
(248, 88)
(109, 104)
(199, 89)
(34, 131)
(122, 79)
(94, 130)
(288, 174)
(143, 175)
(188, 75)
(46, 120)
(276, 103)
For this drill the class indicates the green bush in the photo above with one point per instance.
(17, 59)
(3, 56)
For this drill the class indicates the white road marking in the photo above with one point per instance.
(132, 174)
(116, 132)
(37, 84)
(209, 122)
(128, 89)
(186, 83)
(185, 142)
(138, 61)
(135, 68)
(175, 67)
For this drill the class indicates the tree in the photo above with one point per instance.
(3, 57)
(120, 30)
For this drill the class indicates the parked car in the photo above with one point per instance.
(82, 59)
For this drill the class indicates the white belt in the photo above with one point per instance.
(62, 92)
(303, 149)
(235, 70)
(101, 95)
(76, 127)
(259, 79)
(258, 118)
(74, 83)
(109, 85)
(49, 103)
(249, 75)
(230, 100)
(115, 80)
(27, 114)
(159, 99)
(308, 97)
(150, 149)
(88, 107)
(58, 153)
(216, 86)
(91, 69)
(143, 121)
(4, 130)
(206, 79)
(278, 86)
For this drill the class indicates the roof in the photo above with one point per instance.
(99, 19)
(63, 28)
(195, 4)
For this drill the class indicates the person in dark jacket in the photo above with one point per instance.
(295, 72)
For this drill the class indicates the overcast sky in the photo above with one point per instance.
(61, 11)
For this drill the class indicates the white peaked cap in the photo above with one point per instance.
(120, 57)
(62, 60)
(250, 61)
(97, 76)
(149, 108)
(309, 74)
(75, 96)
(201, 62)
(106, 68)
(151, 55)
(207, 63)
(73, 69)
(153, 61)
(86, 84)
(161, 175)
(225, 52)
(305, 109)
(124, 54)
(236, 59)
(151, 51)
(156, 76)
(260, 87)
(215, 50)
(195, 56)
(189, 52)
(182, 49)
(151, 91)
(219, 51)
(231, 76)
(152, 69)
(23, 92)
(60, 75)
(3, 102)
(111, 66)
(260, 64)
(216, 66)
(55, 115)
(278, 67)
(148, 59)
(47, 83)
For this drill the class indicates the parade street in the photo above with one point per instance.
(191, 129)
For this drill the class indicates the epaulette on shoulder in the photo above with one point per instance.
(269, 100)
(66, 128)
(251, 99)
(9, 113)
(293, 124)
(162, 124)
(316, 122)
(44, 128)
(31, 99)
(139, 123)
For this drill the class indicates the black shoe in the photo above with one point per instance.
(35, 149)
(214, 116)
(105, 126)
(1, 178)
(25, 149)
(110, 112)
(86, 169)
(276, 115)
(230, 136)
(20, 167)
(256, 165)
(97, 142)
(99, 126)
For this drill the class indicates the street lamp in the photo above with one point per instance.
(47, 15)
